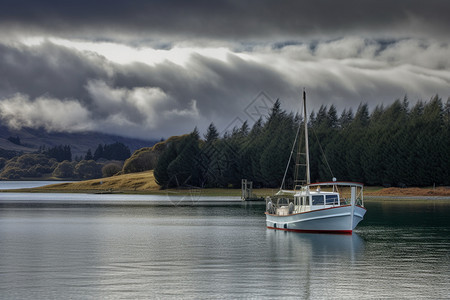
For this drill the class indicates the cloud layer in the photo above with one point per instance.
(154, 69)
(228, 19)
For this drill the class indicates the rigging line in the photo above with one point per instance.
(323, 153)
(290, 156)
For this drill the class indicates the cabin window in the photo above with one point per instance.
(331, 200)
(317, 200)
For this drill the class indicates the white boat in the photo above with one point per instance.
(328, 207)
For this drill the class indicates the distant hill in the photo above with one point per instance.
(80, 142)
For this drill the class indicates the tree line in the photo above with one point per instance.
(391, 146)
(60, 152)
(36, 165)
(115, 151)
(57, 162)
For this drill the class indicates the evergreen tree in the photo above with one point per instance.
(321, 119)
(393, 145)
(195, 134)
(312, 119)
(277, 138)
(356, 132)
(346, 118)
(377, 114)
(332, 117)
(433, 145)
(98, 153)
(216, 164)
(116, 151)
(244, 130)
(229, 162)
(60, 153)
(160, 172)
(88, 155)
(184, 169)
(276, 110)
(362, 116)
(211, 134)
(251, 154)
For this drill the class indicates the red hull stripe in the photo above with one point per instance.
(314, 231)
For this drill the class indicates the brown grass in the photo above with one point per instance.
(439, 191)
(140, 182)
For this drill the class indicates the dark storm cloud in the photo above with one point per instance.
(64, 89)
(47, 68)
(218, 86)
(241, 20)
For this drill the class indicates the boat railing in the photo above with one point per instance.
(344, 189)
(280, 205)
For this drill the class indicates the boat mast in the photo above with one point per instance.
(308, 179)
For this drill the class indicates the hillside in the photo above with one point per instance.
(134, 182)
(32, 139)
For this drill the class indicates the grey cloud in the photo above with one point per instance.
(134, 99)
(232, 19)
(21, 111)
(150, 101)
(47, 68)
(219, 87)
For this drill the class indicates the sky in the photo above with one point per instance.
(152, 69)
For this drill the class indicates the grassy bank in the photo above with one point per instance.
(126, 183)
(133, 183)
(144, 183)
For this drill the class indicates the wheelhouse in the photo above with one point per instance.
(317, 196)
(316, 200)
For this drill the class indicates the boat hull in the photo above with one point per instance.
(340, 219)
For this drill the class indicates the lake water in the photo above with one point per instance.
(66, 249)
(12, 185)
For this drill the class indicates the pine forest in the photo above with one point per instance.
(397, 145)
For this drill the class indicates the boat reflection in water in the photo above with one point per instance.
(316, 264)
(310, 246)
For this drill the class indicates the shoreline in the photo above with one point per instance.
(144, 183)
(211, 192)
(405, 198)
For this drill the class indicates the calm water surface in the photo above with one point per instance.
(206, 250)
(11, 185)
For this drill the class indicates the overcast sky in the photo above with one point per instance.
(152, 69)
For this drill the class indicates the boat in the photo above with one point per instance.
(323, 207)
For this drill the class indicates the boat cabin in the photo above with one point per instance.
(316, 200)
